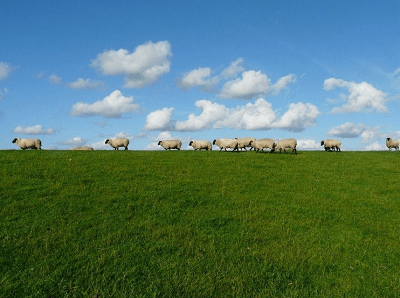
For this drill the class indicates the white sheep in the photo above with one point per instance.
(226, 143)
(331, 144)
(200, 144)
(83, 148)
(245, 142)
(263, 144)
(286, 144)
(170, 144)
(28, 143)
(392, 144)
(115, 143)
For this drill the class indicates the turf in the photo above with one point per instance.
(199, 224)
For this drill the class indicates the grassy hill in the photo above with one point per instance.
(199, 224)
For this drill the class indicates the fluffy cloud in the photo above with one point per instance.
(112, 106)
(86, 84)
(159, 120)
(74, 142)
(211, 112)
(298, 117)
(308, 144)
(283, 82)
(234, 69)
(198, 77)
(362, 96)
(5, 70)
(352, 130)
(257, 116)
(142, 67)
(375, 147)
(34, 130)
(252, 84)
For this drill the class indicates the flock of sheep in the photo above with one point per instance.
(234, 144)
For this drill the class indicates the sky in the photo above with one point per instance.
(75, 73)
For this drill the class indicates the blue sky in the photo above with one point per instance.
(74, 73)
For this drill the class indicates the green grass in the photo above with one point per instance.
(199, 224)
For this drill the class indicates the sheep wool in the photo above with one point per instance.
(286, 144)
(116, 143)
(226, 144)
(260, 145)
(331, 144)
(392, 144)
(170, 144)
(28, 143)
(245, 142)
(200, 144)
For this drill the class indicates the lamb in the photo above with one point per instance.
(331, 144)
(226, 143)
(392, 144)
(286, 144)
(245, 142)
(83, 148)
(116, 143)
(263, 144)
(170, 144)
(28, 143)
(200, 144)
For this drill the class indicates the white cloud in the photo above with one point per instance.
(198, 77)
(252, 116)
(112, 106)
(251, 84)
(308, 144)
(54, 79)
(234, 69)
(142, 67)
(34, 130)
(298, 117)
(362, 96)
(159, 120)
(74, 142)
(352, 130)
(211, 112)
(5, 70)
(86, 84)
(283, 82)
(375, 147)
(100, 145)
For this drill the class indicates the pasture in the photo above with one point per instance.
(199, 224)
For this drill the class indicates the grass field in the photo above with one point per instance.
(199, 224)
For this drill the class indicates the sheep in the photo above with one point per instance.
(286, 144)
(245, 142)
(28, 143)
(226, 143)
(115, 143)
(263, 143)
(392, 144)
(170, 144)
(200, 144)
(331, 144)
(83, 148)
